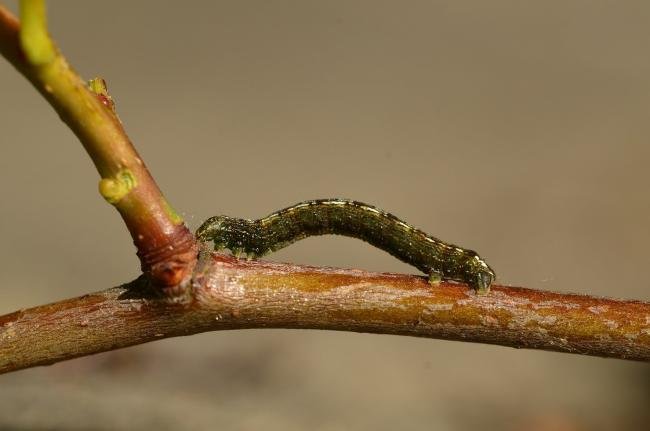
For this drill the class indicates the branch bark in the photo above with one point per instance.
(226, 293)
(235, 294)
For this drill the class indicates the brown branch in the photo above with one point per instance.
(166, 247)
(236, 294)
(226, 293)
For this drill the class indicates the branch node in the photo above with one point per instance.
(170, 265)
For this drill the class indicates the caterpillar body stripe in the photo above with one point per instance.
(256, 238)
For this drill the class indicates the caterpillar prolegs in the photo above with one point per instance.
(256, 238)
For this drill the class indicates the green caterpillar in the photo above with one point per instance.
(256, 238)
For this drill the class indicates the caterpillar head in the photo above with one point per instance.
(214, 229)
(228, 233)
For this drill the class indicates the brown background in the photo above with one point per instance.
(516, 128)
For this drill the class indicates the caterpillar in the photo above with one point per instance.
(256, 238)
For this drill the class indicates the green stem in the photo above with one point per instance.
(166, 247)
(34, 38)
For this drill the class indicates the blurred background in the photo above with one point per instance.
(518, 129)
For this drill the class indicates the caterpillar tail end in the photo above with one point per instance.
(435, 279)
(483, 281)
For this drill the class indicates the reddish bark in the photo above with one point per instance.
(233, 294)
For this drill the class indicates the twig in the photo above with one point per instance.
(236, 294)
(225, 293)
(165, 246)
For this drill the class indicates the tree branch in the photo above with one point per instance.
(166, 247)
(226, 293)
(237, 294)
